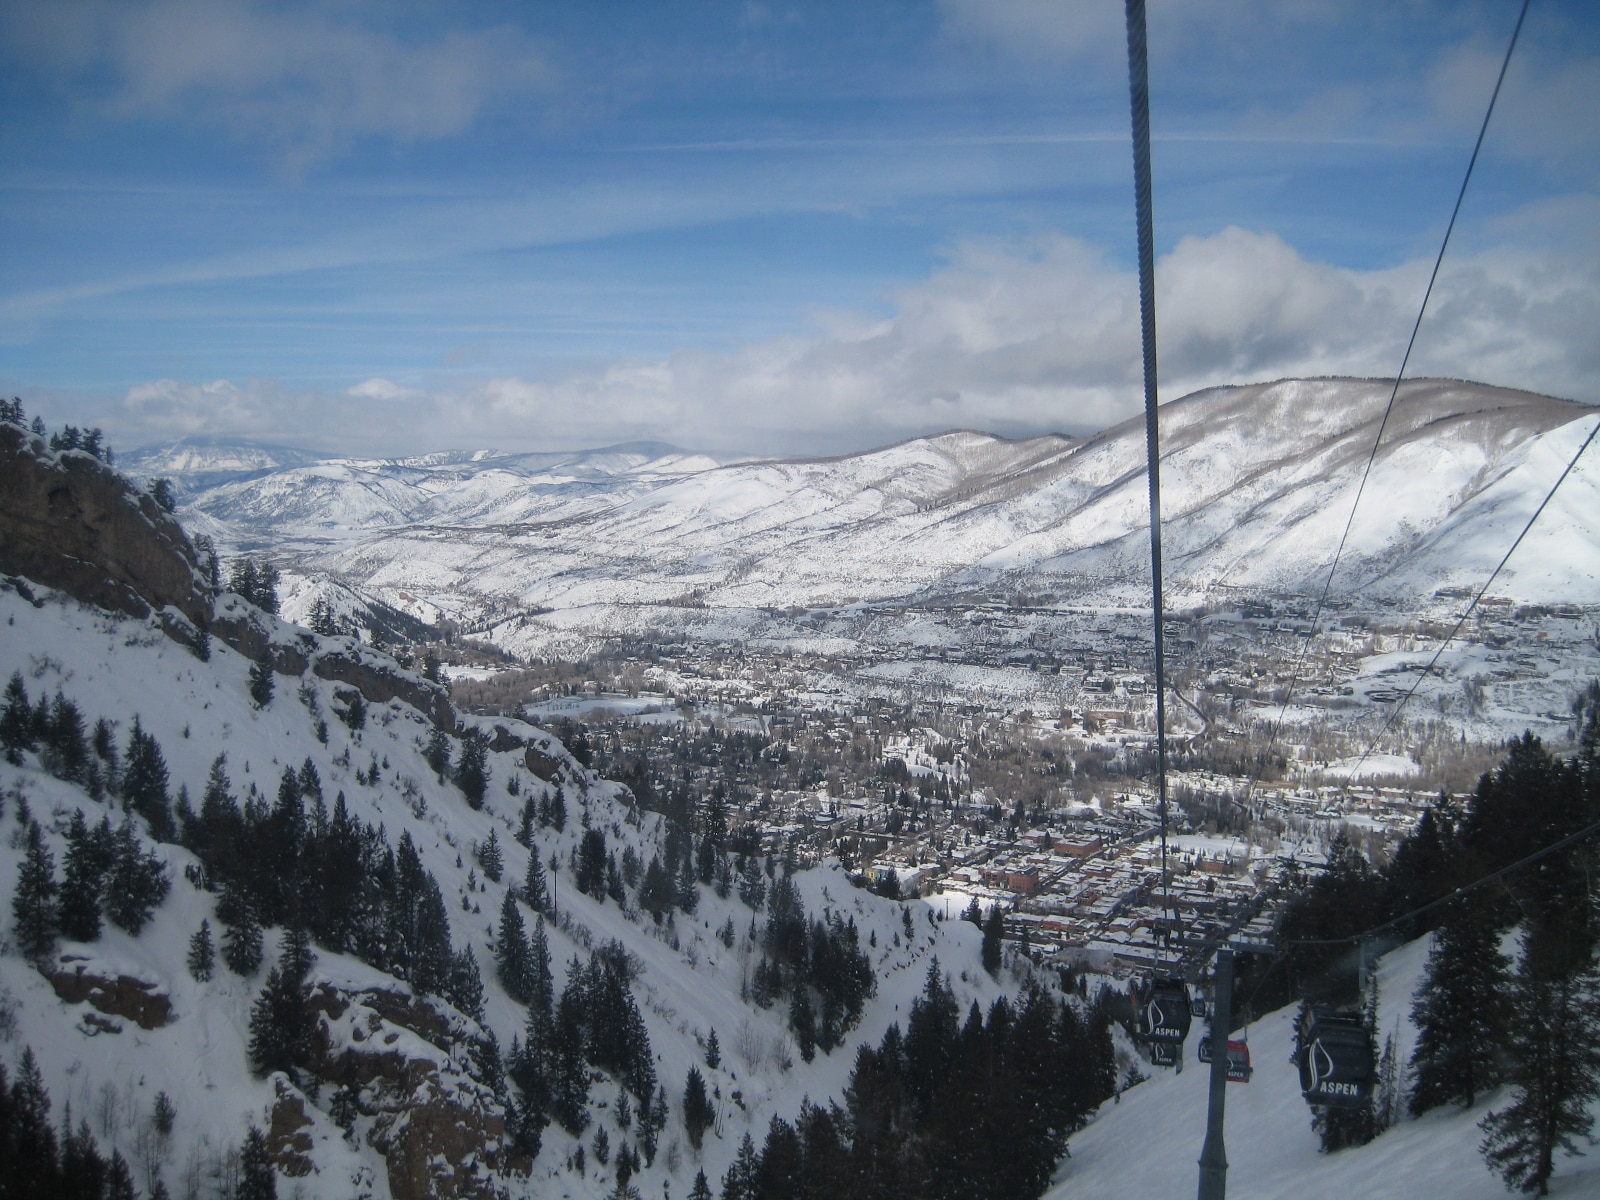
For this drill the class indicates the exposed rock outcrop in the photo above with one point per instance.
(77, 979)
(410, 1061)
(288, 1144)
(70, 521)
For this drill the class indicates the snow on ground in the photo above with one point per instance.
(1372, 766)
(691, 982)
(1148, 1145)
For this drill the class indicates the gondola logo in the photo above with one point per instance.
(1322, 1069)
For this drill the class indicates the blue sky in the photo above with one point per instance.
(766, 228)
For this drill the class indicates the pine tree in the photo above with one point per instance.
(656, 893)
(137, 882)
(280, 1028)
(241, 942)
(701, 1189)
(202, 957)
(803, 1021)
(33, 903)
(66, 746)
(742, 1180)
(535, 890)
(490, 859)
(144, 782)
(465, 989)
(83, 877)
(511, 951)
(1386, 1102)
(994, 928)
(1462, 1012)
(437, 753)
(16, 721)
(569, 1073)
(472, 769)
(713, 1051)
(541, 985)
(261, 685)
(257, 1179)
(698, 1114)
(119, 1179)
(1554, 1073)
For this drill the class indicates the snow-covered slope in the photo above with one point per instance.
(1149, 1143)
(1257, 483)
(120, 668)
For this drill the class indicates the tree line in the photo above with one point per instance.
(1485, 1020)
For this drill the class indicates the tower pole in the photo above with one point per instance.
(1214, 1158)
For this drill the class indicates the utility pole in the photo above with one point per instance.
(1214, 1158)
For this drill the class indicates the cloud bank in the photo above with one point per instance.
(1006, 336)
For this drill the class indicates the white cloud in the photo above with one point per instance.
(382, 389)
(1008, 337)
(307, 85)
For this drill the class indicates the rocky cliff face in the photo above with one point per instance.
(408, 1061)
(71, 522)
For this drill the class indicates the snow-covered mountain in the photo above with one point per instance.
(1257, 483)
(398, 1094)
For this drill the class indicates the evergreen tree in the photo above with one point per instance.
(257, 1179)
(83, 878)
(535, 890)
(656, 893)
(698, 1113)
(33, 903)
(541, 985)
(803, 1021)
(569, 1073)
(511, 951)
(433, 959)
(280, 1027)
(1462, 1012)
(144, 782)
(202, 956)
(590, 876)
(742, 1179)
(137, 882)
(241, 942)
(713, 1051)
(1386, 1101)
(490, 859)
(31, 1165)
(261, 684)
(465, 989)
(994, 928)
(66, 746)
(83, 1170)
(119, 1179)
(472, 768)
(16, 721)
(355, 712)
(1554, 1073)
(437, 753)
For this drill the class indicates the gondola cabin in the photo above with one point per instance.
(1161, 1010)
(1239, 1068)
(1336, 1060)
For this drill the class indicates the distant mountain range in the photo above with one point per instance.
(1257, 483)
